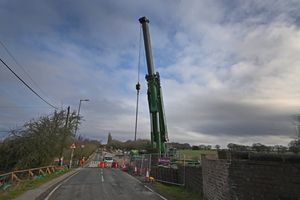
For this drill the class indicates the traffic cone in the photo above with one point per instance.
(123, 164)
(135, 170)
(147, 175)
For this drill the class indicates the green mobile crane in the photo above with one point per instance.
(159, 134)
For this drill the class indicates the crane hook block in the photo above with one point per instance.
(138, 86)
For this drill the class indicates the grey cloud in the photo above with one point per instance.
(221, 64)
(254, 12)
(213, 114)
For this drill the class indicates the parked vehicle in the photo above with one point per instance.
(108, 160)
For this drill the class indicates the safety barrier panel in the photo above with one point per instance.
(161, 168)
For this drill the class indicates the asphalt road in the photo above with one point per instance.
(106, 184)
(101, 184)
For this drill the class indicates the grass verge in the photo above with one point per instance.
(26, 185)
(176, 192)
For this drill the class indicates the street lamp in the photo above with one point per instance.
(78, 112)
(81, 100)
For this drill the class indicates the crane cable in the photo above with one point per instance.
(138, 86)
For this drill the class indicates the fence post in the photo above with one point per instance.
(150, 158)
(48, 170)
(183, 169)
(41, 172)
(12, 177)
(141, 169)
(30, 173)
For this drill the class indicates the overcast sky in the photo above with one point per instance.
(229, 69)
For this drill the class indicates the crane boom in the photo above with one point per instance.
(159, 134)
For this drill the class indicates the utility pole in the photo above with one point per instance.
(78, 113)
(64, 136)
(298, 126)
(67, 119)
(73, 145)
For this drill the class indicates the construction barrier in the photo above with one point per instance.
(114, 164)
(102, 164)
(159, 168)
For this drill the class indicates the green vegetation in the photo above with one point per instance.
(294, 146)
(177, 192)
(37, 143)
(42, 140)
(84, 148)
(20, 188)
(195, 154)
(139, 144)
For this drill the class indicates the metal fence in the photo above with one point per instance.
(162, 168)
(140, 164)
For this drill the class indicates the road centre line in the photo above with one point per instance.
(101, 173)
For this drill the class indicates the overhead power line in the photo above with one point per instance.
(18, 64)
(22, 106)
(27, 85)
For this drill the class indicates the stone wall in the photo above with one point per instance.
(249, 179)
(166, 175)
(264, 180)
(193, 179)
(215, 179)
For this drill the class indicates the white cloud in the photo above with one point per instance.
(229, 70)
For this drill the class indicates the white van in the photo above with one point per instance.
(109, 160)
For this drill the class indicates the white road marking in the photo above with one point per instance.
(102, 178)
(155, 192)
(49, 195)
(146, 187)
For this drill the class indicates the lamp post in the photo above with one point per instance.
(73, 145)
(81, 100)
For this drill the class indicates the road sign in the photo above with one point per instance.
(73, 146)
